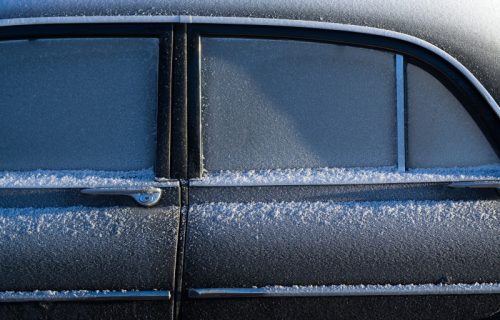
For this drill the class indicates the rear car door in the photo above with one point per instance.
(88, 217)
(337, 175)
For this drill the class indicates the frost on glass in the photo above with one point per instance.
(270, 104)
(441, 133)
(78, 104)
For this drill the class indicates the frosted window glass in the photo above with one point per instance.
(440, 131)
(78, 104)
(289, 104)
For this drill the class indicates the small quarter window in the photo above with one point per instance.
(440, 131)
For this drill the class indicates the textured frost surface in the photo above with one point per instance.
(384, 289)
(87, 248)
(77, 178)
(345, 176)
(69, 295)
(441, 133)
(394, 242)
(78, 103)
(352, 290)
(288, 104)
(330, 212)
(21, 222)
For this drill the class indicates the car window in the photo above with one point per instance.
(270, 104)
(285, 104)
(78, 104)
(441, 133)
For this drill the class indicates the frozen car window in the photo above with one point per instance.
(440, 131)
(78, 104)
(288, 104)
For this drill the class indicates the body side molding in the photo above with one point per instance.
(345, 291)
(82, 295)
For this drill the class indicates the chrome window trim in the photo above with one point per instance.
(261, 22)
(165, 184)
(400, 112)
(200, 183)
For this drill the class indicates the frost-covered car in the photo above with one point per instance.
(267, 159)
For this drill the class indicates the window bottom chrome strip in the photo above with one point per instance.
(346, 291)
(81, 295)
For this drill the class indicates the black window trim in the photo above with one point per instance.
(453, 79)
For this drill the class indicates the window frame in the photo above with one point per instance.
(179, 140)
(162, 32)
(475, 104)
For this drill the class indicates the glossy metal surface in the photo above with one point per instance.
(476, 184)
(81, 295)
(400, 112)
(144, 196)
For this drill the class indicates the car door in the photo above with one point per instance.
(337, 175)
(88, 216)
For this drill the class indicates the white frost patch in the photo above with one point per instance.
(79, 179)
(353, 214)
(388, 289)
(336, 176)
(64, 222)
(349, 290)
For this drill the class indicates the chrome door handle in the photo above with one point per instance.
(147, 197)
(476, 184)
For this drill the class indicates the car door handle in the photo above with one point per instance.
(476, 184)
(147, 197)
